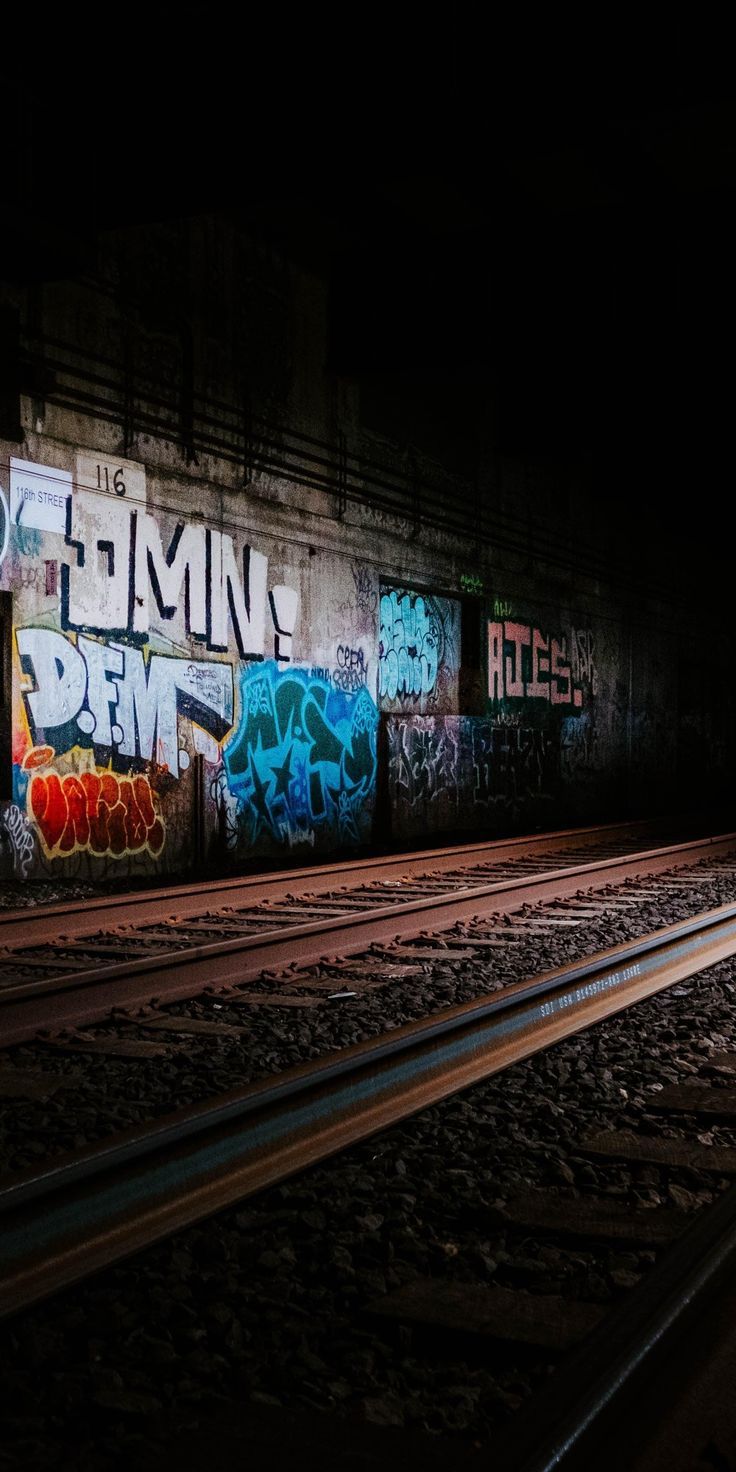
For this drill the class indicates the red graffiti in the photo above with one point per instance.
(97, 811)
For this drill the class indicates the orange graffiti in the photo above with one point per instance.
(40, 756)
(97, 811)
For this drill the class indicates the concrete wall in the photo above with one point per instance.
(192, 682)
(206, 660)
(174, 671)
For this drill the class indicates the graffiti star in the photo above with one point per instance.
(283, 775)
(343, 797)
(259, 797)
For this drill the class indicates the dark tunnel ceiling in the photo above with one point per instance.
(538, 216)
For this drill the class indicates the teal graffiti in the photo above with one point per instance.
(302, 761)
(28, 541)
(411, 645)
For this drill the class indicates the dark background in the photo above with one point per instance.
(524, 222)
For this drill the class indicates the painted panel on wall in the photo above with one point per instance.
(466, 773)
(39, 496)
(531, 663)
(129, 628)
(561, 676)
(142, 639)
(301, 762)
(418, 652)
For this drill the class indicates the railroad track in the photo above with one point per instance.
(609, 1402)
(607, 1360)
(366, 878)
(115, 1197)
(75, 1215)
(131, 952)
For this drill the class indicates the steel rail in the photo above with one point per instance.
(580, 1410)
(90, 994)
(82, 917)
(135, 1189)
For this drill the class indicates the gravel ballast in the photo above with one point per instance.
(267, 1302)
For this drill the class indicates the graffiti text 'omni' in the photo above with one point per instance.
(118, 562)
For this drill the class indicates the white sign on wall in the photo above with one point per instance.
(39, 495)
(117, 479)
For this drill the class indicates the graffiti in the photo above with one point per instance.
(524, 663)
(366, 597)
(579, 745)
(356, 609)
(471, 583)
(511, 764)
(27, 542)
(31, 575)
(424, 759)
(351, 673)
(14, 823)
(226, 808)
(502, 608)
(410, 643)
(582, 649)
(302, 761)
(93, 811)
(119, 575)
(452, 771)
(283, 603)
(294, 834)
(109, 697)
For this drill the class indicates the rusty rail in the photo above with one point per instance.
(82, 917)
(121, 1196)
(92, 993)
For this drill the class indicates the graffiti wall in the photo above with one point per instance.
(551, 745)
(164, 681)
(465, 773)
(301, 763)
(527, 663)
(177, 671)
(559, 675)
(418, 652)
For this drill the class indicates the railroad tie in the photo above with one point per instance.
(696, 1099)
(163, 1022)
(359, 981)
(108, 1045)
(542, 1320)
(595, 1219)
(439, 952)
(654, 1150)
(24, 1083)
(721, 1063)
(268, 999)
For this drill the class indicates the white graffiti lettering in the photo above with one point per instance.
(119, 577)
(110, 697)
(15, 824)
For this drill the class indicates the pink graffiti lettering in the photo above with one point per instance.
(526, 663)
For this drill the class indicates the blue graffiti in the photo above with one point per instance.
(302, 761)
(411, 645)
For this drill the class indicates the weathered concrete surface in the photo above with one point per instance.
(204, 632)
